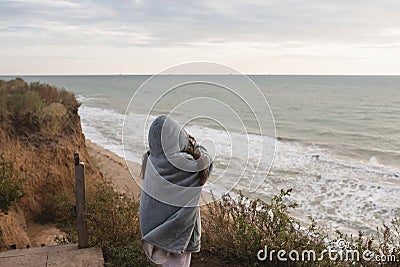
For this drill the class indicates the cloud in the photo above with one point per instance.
(275, 27)
(43, 3)
(160, 23)
(267, 21)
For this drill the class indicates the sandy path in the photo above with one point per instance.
(43, 234)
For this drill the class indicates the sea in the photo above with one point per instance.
(334, 140)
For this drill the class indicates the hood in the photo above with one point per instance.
(166, 137)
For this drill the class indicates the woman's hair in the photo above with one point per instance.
(203, 174)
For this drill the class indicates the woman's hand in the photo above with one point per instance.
(191, 149)
(191, 145)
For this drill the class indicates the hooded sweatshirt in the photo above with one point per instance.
(169, 204)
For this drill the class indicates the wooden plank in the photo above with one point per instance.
(37, 250)
(89, 257)
(55, 256)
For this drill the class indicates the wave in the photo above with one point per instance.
(327, 182)
(289, 139)
(373, 166)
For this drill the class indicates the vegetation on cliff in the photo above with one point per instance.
(10, 184)
(36, 111)
(39, 132)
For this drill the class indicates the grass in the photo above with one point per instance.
(113, 224)
(11, 185)
(236, 229)
(26, 110)
(233, 231)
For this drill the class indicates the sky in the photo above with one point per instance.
(251, 36)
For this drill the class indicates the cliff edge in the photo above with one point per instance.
(39, 134)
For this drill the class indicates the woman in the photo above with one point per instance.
(173, 171)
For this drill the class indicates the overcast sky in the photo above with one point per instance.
(253, 36)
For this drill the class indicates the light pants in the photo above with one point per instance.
(178, 260)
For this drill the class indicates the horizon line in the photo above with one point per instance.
(233, 74)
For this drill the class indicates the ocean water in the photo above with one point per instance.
(337, 137)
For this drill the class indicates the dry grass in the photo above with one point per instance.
(26, 109)
(11, 185)
(113, 223)
(235, 229)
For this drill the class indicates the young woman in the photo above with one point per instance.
(173, 171)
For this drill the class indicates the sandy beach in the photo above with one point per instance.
(115, 170)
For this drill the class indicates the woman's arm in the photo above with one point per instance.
(200, 153)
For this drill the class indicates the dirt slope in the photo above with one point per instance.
(40, 136)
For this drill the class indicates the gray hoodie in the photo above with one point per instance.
(169, 204)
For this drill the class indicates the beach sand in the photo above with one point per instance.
(115, 170)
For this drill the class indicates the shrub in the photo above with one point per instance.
(235, 229)
(129, 255)
(58, 207)
(112, 216)
(11, 189)
(36, 111)
(47, 93)
(113, 221)
(69, 101)
(51, 119)
(25, 107)
(50, 94)
(3, 107)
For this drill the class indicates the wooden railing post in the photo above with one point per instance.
(83, 236)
